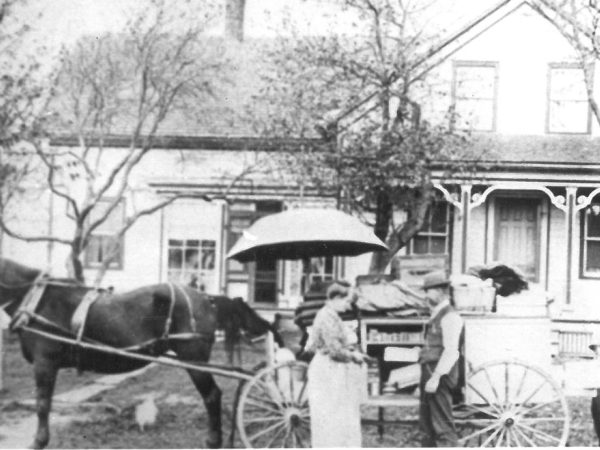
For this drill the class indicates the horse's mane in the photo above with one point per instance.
(235, 315)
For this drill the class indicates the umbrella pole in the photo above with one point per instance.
(306, 271)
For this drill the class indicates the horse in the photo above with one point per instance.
(150, 320)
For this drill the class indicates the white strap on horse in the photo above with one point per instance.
(190, 307)
(30, 302)
(172, 288)
(81, 312)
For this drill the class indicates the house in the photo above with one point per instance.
(533, 202)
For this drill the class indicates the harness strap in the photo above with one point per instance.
(190, 307)
(171, 308)
(30, 302)
(79, 318)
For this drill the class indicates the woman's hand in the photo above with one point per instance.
(360, 358)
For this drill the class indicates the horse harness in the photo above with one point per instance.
(26, 313)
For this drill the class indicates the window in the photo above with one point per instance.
(192, 262)
(433, 239)
(103, 242)
(591, 241)
(474, 95)
(568, 107)
(321, 269)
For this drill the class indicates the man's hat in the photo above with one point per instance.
(435, 279)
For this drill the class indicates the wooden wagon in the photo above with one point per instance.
(507, 396)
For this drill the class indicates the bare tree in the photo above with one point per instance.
(378, 154)
(23, 99)
(163, 63)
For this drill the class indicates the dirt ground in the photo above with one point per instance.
(107, 420)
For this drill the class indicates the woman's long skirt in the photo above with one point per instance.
(335, 390)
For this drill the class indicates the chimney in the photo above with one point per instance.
(234, 19)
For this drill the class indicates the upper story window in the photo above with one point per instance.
(590, 241)
(568, 107)
(104, 242)
(474, 95)
(434, 237)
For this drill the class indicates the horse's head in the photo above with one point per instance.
(235, 316)
(15, 281)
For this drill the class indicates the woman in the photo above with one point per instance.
(335, 377)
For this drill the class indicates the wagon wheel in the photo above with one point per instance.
(512, 404)
(273, 408)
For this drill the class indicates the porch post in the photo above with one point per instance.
(224, 247)
(465, 200)
(570, 217)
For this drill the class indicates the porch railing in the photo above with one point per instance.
(573, 344)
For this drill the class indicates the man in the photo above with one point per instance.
(439, 364)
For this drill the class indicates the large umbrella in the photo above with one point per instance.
(305, 233)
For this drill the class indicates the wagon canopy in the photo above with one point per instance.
(305, 233)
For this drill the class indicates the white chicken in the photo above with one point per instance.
(146, 411)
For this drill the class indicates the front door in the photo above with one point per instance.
(517, 234)
(260, 276)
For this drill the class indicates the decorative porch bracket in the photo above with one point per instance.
(464, 209)
(557, 200)
(450, 198)
(584, 202)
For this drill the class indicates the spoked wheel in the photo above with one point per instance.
(273, 408)
(512, 404)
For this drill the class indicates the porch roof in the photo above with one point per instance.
(555, 149)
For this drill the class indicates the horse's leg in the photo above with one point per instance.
(211, 394)
(195, 351)
(45, 371)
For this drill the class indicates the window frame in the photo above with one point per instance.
(583, 240)
(118, 262)
(566, 65)
(323, 275)
(200, 272)
(457, 64)
(428, 233)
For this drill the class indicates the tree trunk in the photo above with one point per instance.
(383, 219)
(74, 264)
(404, 233)
(75, 267)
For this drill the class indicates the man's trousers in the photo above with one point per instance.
(435, 412)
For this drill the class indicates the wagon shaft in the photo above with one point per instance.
(225, 371)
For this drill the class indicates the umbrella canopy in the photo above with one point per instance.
(305, 233)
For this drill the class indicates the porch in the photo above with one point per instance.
(549, 229)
